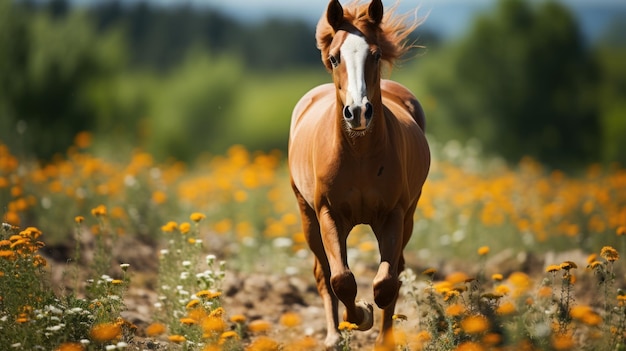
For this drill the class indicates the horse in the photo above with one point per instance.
(358, 154)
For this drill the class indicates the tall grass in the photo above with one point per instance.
(239, 207)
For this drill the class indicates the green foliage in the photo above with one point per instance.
(520, 83)
(52, 61)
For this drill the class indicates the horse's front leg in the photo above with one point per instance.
(342, 280)
(392, 237)
(321, 270)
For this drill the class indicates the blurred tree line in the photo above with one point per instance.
(182, 80)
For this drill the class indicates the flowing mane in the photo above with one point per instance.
(391, 36)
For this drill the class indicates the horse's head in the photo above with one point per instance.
(352, 53)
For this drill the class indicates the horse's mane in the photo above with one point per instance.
(391, 36)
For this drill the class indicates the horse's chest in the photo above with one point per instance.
(362, 201)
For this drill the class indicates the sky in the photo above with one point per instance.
(448, 17)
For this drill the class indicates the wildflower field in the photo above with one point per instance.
(127, 253)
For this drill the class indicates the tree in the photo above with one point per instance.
(523, 83)
(47, 66)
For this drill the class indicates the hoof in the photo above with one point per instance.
(367, 311)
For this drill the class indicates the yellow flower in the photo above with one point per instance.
(399, 317)
(193, 303)
(455, 310)
(506, 308)
(594, 264)
(475, 324)
(117, 282)
(263, 344)
(213, 325)
(169, 227)
(567, 265)
(609, 254)
(238, 318)
(483, 250)
(197, 217)
(7, 254)
(290, 320)
(228, 335)
(218, 312)
(79, 219)
(176, 338)
(563, 342)
(159, 197)
(469, 346)
(497, 277)
(591, 258)
(259, 326)
(206, 294)
(105, 332)
(345, 325)
(99, 211)
(586, 315)
(185, 227)
(70, 346)
(188, 321)
(155, 329)
(621, 230)
(553, 268)
(429, 272)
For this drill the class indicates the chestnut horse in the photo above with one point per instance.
(358, 155)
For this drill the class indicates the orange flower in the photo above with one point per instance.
(193, 303)
(567, 265)
(455, 310)
(238, 318)
(188, 321)
(553, 268)
(475, 324)
(70, 346)
(263, 344)
(563, 342)
(185, 227)
(99, 211)
(261, 326)
(506, 308)
(483, 250)
(197, 217)
(155, 329)
(105, 332)
(169, 227)
(79, 219)
(213, 325)
(609, 254)
(290, 320)
(176, 338)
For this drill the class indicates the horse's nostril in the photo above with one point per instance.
(369, 111)
(346, 113)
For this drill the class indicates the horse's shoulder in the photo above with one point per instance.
(401, 95)
(314, 95)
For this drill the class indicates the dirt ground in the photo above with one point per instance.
(269, 296)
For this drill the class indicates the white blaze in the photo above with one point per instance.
(354, 52)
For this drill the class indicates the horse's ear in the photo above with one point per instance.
(375, 11)
(334, 14)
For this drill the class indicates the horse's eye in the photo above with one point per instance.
(333, 60)
(377, 56)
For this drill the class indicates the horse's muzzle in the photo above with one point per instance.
(358, 117)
